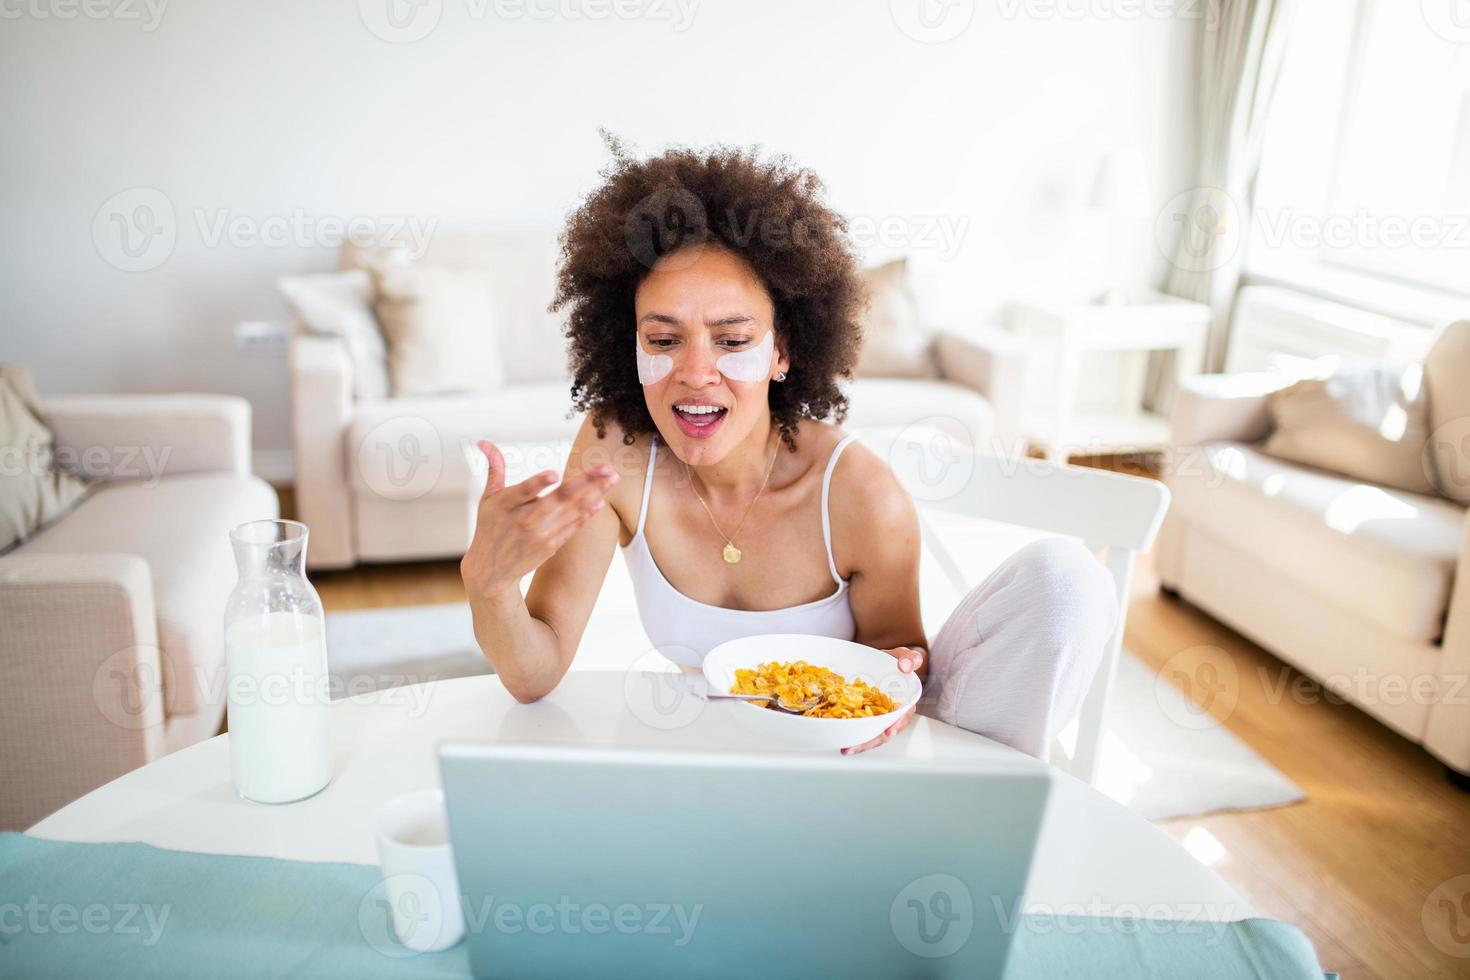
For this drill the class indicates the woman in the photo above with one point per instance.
(713, 301)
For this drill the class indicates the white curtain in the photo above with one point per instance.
(1240, 63)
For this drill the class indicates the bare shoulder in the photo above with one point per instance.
(872, 514)
(628, 459)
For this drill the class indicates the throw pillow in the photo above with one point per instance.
(895, 345)
(1369, 423)
(440, 328)
(33, 492)
(340, 304)
(1447, 382)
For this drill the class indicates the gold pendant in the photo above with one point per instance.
(732, 553)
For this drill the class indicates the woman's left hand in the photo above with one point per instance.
(910, 659)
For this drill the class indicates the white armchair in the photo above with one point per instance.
(112, 651)
(1365, 588)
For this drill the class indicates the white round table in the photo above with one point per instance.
(1095, 857)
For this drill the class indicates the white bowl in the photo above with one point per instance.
(852, 660)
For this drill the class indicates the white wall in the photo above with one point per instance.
(279, 109)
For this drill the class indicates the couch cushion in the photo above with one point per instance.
(1367, 422)
(1386, 555)
(406, 448)
(895, 403)
(180, 526)
(522, 270)
(440, 326)
(895, 343)
(33, 491)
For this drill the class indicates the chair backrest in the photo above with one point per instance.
(1115, 515)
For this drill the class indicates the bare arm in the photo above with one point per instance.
(879, 529)
(567, 536)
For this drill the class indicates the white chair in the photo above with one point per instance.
(1114, 515)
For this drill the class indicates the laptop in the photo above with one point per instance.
(602, 862)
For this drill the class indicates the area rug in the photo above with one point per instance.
(1157, 758)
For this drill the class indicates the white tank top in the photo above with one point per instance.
(684, 629)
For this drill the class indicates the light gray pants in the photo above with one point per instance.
(1016, 657)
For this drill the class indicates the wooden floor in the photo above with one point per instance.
(1353, 866)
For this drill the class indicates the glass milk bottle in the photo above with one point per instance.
(276, 658)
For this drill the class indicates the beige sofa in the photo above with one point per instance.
(112, 653)
(1365, 588)
(391, 479)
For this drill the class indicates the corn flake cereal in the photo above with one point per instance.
(796, 683)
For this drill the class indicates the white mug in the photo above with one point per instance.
(418, 871)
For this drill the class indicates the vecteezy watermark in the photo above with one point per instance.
(1445, 917)
(148, 13)
(1209, 680)
(1207, 11)
(1365, 687)
(1450, 19)
(407, 21)
(671, 218)
(1361, 229)
(144, 463)
(137, 229)
(932, 21)
(1096, 917)
(933, 916)
(941, 234)
(1201, 229)
(421, 906)
(35, 916)
(566, 917)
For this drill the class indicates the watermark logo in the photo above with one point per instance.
(400, 21)
(665, 221)
(1208, 678)
(1199, 230)
(407, 21)
(1447, 457)
(135, 230)
(932, 21)
(1445, 917)
(934, 458)
(419, 914)
(1450, 19)
(130, 687)
(1207, 11)
(401, 458)
(662, 698)
(933, 916)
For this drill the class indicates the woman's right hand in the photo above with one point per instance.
(516, 529)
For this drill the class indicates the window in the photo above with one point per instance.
(1366, 161)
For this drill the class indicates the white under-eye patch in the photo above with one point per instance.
(748, 365)
(652, 368)
(744, 365)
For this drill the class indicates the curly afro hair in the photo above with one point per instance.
(770, 213)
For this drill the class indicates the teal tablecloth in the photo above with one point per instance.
(130, 910)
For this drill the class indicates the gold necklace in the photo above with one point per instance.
(730, 553)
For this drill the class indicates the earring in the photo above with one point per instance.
(780, 375)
